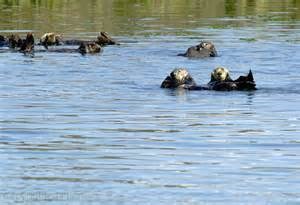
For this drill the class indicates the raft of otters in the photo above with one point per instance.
(15, 42)
(178, 78)
(220, 81)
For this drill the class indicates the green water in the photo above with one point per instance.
(129, 17)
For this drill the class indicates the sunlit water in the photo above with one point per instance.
(97, 129)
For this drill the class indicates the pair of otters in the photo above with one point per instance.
(220, 78)
(27, 45)
(220, 81)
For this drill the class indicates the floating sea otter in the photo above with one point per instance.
(179, 78)
(28, 44)
(3, 40)
(14, 41)
(220, 80)
(23, 45)
(49, 39)
(104, 39)
(85, 47)
(91, 47)
(204, 49)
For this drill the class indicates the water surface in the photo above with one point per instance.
(98, 129)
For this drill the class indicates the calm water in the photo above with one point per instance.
(97, 129)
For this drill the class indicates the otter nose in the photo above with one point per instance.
(219, 74)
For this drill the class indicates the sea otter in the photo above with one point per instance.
(49, 39)
(28, 44)
(104, 39)
(14, 41)
(3, 40)
(90, 47)
(220, 74)
(204, 49)
(23, 45)
(221, 81)
(179, 78)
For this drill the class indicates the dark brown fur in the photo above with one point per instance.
(202, 50)
(241, 83)
(14, 41)
(104, 39)
(28, 44)
(90, 47)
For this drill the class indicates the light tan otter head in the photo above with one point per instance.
(207, 45)
(179, 78)
(179, 75)
(220, 74)
(51, 38)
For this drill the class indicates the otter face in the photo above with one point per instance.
(50, 38)
(207, 45)
(220, 74)
(179, 77)
(89, 48)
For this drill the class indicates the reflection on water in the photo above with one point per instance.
(98, 129)
(129, 17)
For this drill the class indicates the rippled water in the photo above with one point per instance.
(98, 129)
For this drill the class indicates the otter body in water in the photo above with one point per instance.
(220, 81)
(202, 50)
(49, 39)
(180, 78)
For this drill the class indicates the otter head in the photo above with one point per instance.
(91, 47)
(50, 39)
(220, 74)
(29, 39)
(105, 39)
(28, 44)
(179, 77)
(207, 46)
(202, 50)
(14, 41)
